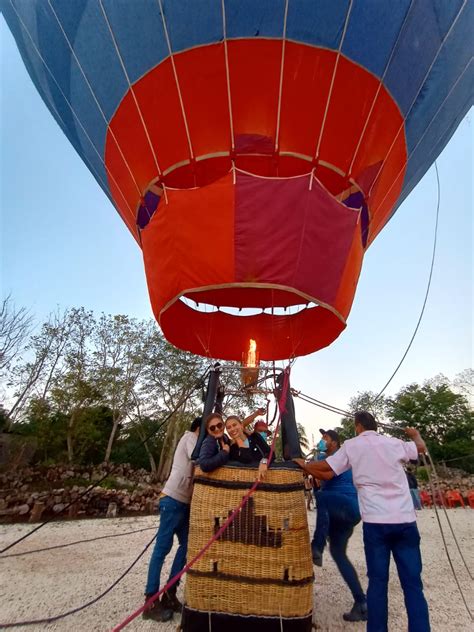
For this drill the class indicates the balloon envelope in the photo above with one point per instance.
(253, 148)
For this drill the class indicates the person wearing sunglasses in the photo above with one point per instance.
(247, 448)
(216, 446)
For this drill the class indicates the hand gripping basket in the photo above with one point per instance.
(258, 575)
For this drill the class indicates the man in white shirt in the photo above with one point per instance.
(389, 521)
(174, 505)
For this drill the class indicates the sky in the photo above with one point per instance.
(63, 244)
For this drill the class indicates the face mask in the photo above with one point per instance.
(322, 446)
(263, 434)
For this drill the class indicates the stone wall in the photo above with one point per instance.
(35, 493)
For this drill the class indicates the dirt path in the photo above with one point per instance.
(51, 582)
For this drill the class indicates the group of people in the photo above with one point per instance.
(363, 479)
(216, 450)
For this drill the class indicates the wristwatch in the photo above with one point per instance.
(264, 461)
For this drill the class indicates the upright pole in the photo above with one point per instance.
(210, 400)
(289, 432)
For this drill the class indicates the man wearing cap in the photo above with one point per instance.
(389, 520)
(338, 513)
(262, 428)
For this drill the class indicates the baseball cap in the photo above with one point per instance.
(261, 426)
(331, 433)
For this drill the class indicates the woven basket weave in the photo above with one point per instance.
(261, 565)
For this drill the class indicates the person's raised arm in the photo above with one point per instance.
(318, 469)
(415, 436)
(248, 420)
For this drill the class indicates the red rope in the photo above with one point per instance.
(216, 536)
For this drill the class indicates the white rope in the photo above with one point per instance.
(422, 137)
(76, 117)
(422, 84)
(430, 478)
(379, 87)
(227, 74)
(175, 73)
(280, 89)
(111, 132)
(132, 91)
(349, 9)
(436, 479)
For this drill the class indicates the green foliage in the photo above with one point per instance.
(442, 416)
(422, 474)
(129, 449)
(364, 400)
(112, 483)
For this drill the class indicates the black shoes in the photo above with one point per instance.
(317, 557)
(358, 613)
(157, 611)
(171, 601)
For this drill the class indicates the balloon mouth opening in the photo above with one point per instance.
(292, 307)
(243, 312)
(199, 322)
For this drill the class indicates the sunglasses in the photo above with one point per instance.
(215, 427)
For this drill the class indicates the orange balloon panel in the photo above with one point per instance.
(250, 241)
(231, 215)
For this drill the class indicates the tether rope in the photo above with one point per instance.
(185, 396)
(435, 239)
(444, 539)
(435, 477)
(63, 546)
(84, 606)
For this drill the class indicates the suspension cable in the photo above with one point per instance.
(430, 276)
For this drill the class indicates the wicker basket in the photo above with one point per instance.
(259, 574)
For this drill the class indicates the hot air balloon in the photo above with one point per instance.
(254, 149)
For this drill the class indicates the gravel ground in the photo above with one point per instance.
(51, 582)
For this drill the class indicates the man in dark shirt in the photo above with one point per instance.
(337, 514)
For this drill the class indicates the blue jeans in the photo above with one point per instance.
(415, 496)
(403, 540)
(174, 520)
(337, 516)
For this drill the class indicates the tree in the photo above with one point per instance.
(364, 400)
(15, 328)
(39, 364)
(170, 384)
(119, 358)
(75, 388)
(464, 385)
(442, 416)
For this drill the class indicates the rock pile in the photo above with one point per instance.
(36, 493)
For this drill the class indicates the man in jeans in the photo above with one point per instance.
(389, 521)
(338, 513)
(174, 520)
